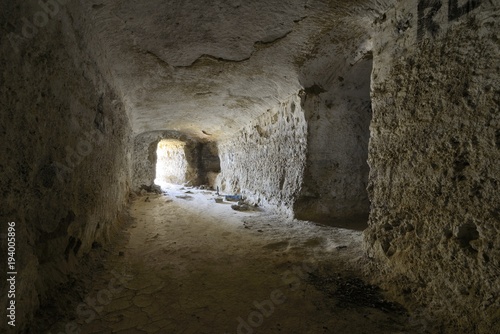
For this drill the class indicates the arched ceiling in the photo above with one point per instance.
(207, 68)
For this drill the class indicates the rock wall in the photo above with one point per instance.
(144, 159)
(210, 163)
(64, 139)
(265, 160)
(434, 157)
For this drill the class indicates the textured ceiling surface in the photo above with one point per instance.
(207, 68)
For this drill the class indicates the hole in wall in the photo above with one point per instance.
(71, 244)
(465, 234)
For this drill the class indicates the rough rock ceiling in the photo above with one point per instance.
(210, 67)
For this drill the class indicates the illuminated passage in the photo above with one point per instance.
(171, 165)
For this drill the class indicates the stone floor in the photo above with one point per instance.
(190, 265)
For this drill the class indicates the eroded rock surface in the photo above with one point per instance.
(280, 91)
(265, 160)
(65, 142)
(434, 155)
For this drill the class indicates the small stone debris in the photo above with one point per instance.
(186, 197)
(147, 199)
(188, 192)
(153, 188)
(241, 207)
(219, 200)
(233, 198)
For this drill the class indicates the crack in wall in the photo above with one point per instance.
(205, 59)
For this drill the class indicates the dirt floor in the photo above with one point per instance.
(190, 265)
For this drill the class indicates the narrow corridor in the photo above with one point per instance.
(190, 265)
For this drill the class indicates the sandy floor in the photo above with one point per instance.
(190, 265)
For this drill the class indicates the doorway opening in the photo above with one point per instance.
(338, 112)
(171, 162)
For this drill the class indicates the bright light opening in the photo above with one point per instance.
(171, 163)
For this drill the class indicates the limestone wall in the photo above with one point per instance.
(265, 160)
(64, 158)
(434, 158)
(210, 163)
(338, 113)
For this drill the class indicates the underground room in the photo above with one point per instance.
(292, 166)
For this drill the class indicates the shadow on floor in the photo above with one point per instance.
(356, 223)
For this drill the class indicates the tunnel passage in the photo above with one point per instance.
(172, 157)
(76, 91)
(338, 113)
